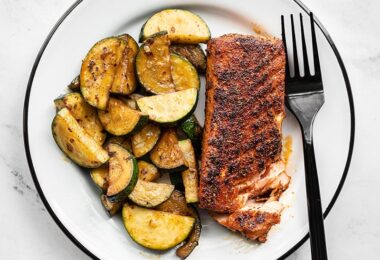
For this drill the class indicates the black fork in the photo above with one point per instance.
(304, 97)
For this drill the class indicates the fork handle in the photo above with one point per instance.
(317, 231)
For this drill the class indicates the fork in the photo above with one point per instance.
(304, 98)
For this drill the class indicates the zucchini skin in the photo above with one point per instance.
(75, 84)
(112, 208)
(184, 74)
(186, 40)
(194, 53)
(92, 159)
(156, 230)
(122, 194)
(177, 121)
(86, 115)
(97, 73)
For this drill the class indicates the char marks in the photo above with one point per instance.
(245, 95)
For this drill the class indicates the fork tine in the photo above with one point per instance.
(295, 55)
(317, 66)
(304, 50)
(287, 72)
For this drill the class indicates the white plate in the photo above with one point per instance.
(72, 199)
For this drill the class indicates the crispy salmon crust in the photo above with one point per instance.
(244, 111)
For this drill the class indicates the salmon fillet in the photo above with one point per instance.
(241, 148)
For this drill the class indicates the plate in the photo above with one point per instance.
(71, 198)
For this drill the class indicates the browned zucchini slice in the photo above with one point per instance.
(144, 140)
(112, 208)
(74, 84)
(167, 155)
(147, 171)
(120, 119)
(189, 176)
(75, 142)
(150, 194)
(170, 108)
(99, 176)
(85, 114)
(184, 73)
(125, 79)
(183, 26)
(99, 69)
(123, 173)
(192, 52)
(156, 229)
(176, 204)
(153, 65)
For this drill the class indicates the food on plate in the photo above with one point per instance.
(112, 208)
(124, 81)
(119, 119)
(144, 140)
(150, 194)
(242, 133)
(75, 142)
(193, 131)
(153, 66)
(85, 115)
(176, 204)
(183, 73)
(167, 154)
(169, 108)
(190, 175)
(99, 177)
(147, 171)
(123, 173)
(193, 53)
(125, 142)
(74, 84)
(182, 26)
(242, 174)
(156, 229)
(98, 70)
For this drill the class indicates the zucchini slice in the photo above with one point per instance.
(112, 208)
(169, 108)
(125, 79)
(130, 102)
(189, 176)
(120, 119)
(147, 171)
(99, 176)
(184, 73)
(167, 154)
(192, 52)
(153, 65)
(85, 114)
(176, 204)
(75, 142)
(150, 194)
(183, 26)
(125, 142)
(144, 140)
(99, 69)
(156, 229)
(123, 173)
(75, 84)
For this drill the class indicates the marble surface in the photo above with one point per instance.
(28, 231)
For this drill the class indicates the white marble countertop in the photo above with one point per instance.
(28, 232)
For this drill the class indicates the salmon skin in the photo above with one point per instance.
(244, 112)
